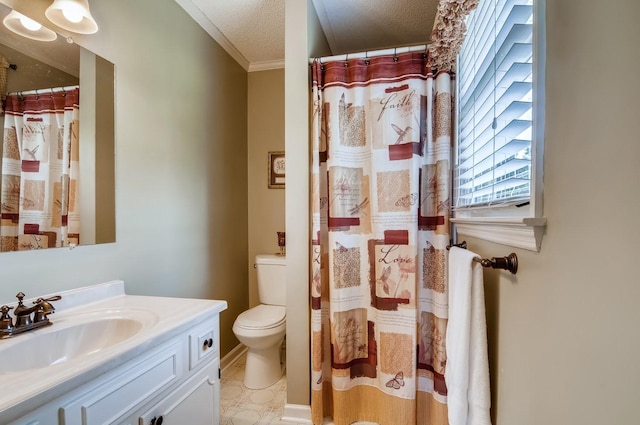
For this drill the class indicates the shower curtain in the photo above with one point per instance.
(382, 132)
(40, 171)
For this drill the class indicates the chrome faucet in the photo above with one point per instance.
(26, 318)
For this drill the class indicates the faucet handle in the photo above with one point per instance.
(20, 296)
(53, 298)
(45, 307)
(5, 320)
(5, 311)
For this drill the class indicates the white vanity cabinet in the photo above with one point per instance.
(175, 381)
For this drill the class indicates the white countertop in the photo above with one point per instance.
(163, 318)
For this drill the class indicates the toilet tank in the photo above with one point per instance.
(272, 284)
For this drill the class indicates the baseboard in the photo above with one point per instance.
(297, 414)
(231, 357)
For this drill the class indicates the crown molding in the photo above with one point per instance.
(266, 65)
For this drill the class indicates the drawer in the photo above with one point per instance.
(204, 342)
(125, 389)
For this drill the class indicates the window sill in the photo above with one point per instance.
(517, 232)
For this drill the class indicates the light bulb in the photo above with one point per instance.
(73, 13)
(29, 23)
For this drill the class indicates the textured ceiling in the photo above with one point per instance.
(252, 31)
(359, 25)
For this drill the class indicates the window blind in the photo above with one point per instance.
(495, 75)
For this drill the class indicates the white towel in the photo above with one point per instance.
(467, 368)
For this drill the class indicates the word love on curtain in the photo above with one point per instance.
(40, 171)
(382, 132)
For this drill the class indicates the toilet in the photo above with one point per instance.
(262, 328)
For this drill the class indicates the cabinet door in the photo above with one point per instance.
(196, 402)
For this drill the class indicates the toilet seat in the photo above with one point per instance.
(262, 316)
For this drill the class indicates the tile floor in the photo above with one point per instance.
(242, 406)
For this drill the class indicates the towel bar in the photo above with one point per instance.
(510, 262)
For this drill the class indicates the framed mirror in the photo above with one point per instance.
(58, 177)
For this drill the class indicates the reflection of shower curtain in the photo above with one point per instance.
(40, 171)
(382, 153)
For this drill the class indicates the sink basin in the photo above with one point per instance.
(68, 341)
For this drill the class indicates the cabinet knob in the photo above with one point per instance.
(207, 344)
(157, 421)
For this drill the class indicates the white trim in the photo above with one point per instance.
(201, 18)
(232, 356)
(266, 65)
(523, 233)
(297, 414)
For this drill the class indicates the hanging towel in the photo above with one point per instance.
(467, 368)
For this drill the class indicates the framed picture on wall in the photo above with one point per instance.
(276, 170)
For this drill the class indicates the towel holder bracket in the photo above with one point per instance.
(510, 262)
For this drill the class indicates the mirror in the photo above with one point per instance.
(40, 68)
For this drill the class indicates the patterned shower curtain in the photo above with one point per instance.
(382, 133)
(40, 171)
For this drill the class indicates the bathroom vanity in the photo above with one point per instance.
(112, 358)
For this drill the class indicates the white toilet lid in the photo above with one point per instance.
(262, 317)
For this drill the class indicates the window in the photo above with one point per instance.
(497, 180)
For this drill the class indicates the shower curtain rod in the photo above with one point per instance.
(43, 91)
(372, 53)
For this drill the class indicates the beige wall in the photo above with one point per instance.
(303, 40)
(297, 199)
(317, 41)
(265, 118)
(181, 168)
(563, 332)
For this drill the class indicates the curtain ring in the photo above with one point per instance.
(346, 60)
(395, 54)
(366, 58)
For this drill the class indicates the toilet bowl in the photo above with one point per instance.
(262, 328)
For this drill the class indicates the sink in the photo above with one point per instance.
(73, 338)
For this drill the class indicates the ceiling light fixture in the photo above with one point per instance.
(27, 27)
(72, 15)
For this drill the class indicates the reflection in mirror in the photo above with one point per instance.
(57, 166)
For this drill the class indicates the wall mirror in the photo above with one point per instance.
(58, 177)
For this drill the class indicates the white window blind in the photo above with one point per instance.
(495, 81)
